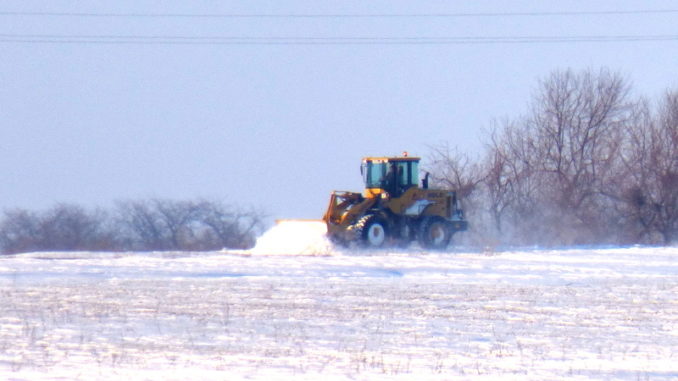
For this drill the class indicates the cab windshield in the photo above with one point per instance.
(375, 174)
(390, 175)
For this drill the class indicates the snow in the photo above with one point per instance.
(294, 237)
(306, 311)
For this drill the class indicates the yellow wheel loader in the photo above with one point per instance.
(393, 210)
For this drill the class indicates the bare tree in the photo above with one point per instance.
(508, 169)
(159, 224)
(141, 226)
(154, 224)
(453, 169)
(70, 227)
(651, 162)
(544, 176)
(577, 121)
(19, 231)
(177, 219)
(65, 227)
(228, 227)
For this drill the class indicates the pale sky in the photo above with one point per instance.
(272, 104)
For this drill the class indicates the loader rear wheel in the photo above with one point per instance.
(372, 231)
(434, 233)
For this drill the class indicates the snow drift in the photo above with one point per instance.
(294, 237)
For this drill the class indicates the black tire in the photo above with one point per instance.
(372, 231)
(434, 233)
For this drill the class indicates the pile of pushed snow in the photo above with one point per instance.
(294, 237)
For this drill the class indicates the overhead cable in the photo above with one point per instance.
(363, 40)
(338, 15)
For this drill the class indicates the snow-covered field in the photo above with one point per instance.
(529, 314)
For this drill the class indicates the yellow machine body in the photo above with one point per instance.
(393, 208)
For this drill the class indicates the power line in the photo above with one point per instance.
(340, 15)
(251, 40)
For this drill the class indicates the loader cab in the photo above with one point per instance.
(393, 175)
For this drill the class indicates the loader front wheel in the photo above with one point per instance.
(434, 233)
(372, 231)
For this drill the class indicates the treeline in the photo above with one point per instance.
(588, 164)
(139, 225)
